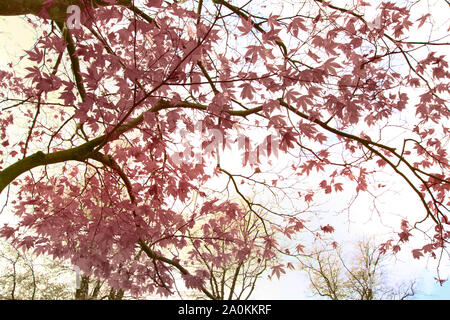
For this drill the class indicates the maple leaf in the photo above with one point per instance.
(255, 51)
(417, 254)
(295, 25)
(7, 231)
(34, 74)
(300, 248)
(247, 90)
(35, 55)
(193, 282)
(308, 129)
(155, 3)
(428, 248)
(278, 270)
(321, 138)
(291, 95)
(309, 197)
(327, 229)
(440, 281)
(290, 266)
(67, 96)
(246, 27)
(338, 187)
(330, 67)
(287, 140)
(404, 236)
(384, 247)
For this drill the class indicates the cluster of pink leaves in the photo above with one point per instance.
(132, 67)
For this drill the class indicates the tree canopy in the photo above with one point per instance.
(120, 134)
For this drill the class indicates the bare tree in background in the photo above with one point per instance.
(233, 276)
(95, 289)
(357, 277)
(24, 276)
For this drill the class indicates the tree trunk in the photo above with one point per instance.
(115, 294)
(83, 292)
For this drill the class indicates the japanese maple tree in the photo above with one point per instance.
(125, 113)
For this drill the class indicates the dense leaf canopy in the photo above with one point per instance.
(117, 132)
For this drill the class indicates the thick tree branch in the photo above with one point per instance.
(57, 10)
(154, 255)
(74, 61)
(85, 150)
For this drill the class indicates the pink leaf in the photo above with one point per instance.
(417, 254)
(327, 229)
